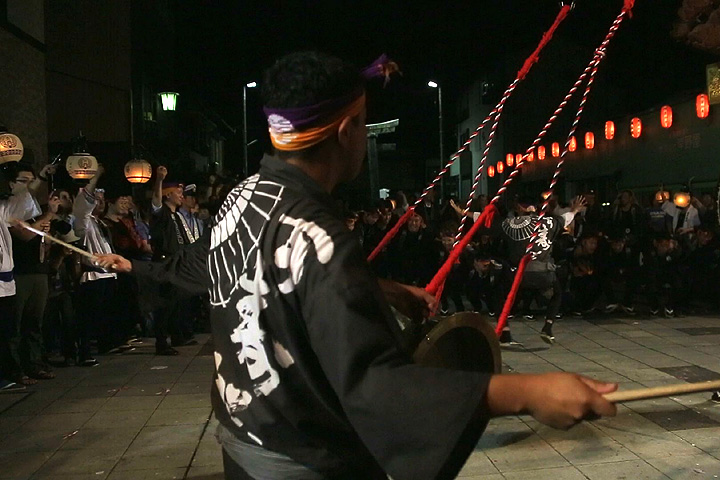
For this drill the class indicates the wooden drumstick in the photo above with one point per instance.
(20, 223)
(663, 391)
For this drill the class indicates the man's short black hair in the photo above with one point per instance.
(14, 170)
(302, 79)
(306, 78)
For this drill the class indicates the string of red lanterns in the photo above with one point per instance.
(702, 109)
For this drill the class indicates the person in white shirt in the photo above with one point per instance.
(19, 205)
(684, 220)
(97, 287)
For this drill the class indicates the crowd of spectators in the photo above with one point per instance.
(621, 258)
(57, 308)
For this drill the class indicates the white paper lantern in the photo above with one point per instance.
(11, 148)
(81, 166)
(138, 171)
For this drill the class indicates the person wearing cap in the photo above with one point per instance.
(188, 213)
(169, 234)
(313, 379)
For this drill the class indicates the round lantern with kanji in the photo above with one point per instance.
(11, 148)
(81, 166)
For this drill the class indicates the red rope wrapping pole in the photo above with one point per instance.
(510, 300)
(485, 220)
(521, 75)
(531, 60)
(595, 63)
(401, 221)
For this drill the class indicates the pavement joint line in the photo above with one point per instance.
(202, 435)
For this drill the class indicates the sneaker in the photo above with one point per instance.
(444, 311)
(87, 362)
(529, 317)
(506, 339)
(611, 308)
(491, 314)
(715, 397)
(8, 386)
(654, 312)
(577, 314)
(629, 310)
(669, 312)
(558, 316)
(546, 334)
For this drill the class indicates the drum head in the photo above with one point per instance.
(464, 341)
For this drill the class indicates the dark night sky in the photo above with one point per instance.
(225, 43)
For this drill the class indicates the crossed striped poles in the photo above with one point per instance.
(486, 152)
(401, 221)
(597, 59)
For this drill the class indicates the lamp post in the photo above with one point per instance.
(432, 84)
(245, 142)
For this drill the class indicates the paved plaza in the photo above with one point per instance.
(138, 416)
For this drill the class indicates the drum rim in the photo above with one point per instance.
(461, 319)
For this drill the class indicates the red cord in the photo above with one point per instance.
(535, 56)
(485, 220)
(510, 300)
(391, 234)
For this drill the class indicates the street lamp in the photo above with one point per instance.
(169, 100)
(245, 142)
(432, 84)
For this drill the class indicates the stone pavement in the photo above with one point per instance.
(139, 416)
(677, 438)
(135, 416)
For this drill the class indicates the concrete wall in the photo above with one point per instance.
(88, 70)
(22, 81)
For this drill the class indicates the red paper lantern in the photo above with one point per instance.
(509, 159)
(609, 129)
(555, 149)
(666, 116)
(589, 140)
(518, 158)
(491, 171)
(573, 144)
(635, 127)
(500, 167)
(702, 106)
(541, 152)
(531, 156)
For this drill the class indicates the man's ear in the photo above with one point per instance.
(345, 130)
